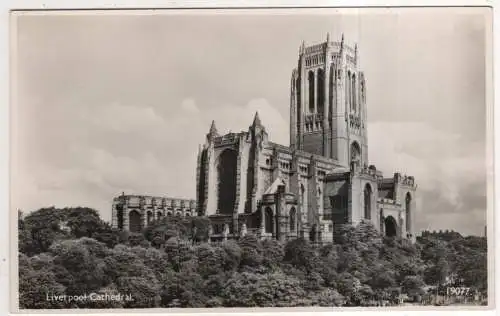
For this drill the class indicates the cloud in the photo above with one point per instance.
(450, 171)
(136, 150)
(189, 106)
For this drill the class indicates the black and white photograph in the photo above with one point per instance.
(327, 158)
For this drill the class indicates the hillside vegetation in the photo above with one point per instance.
(73, 252)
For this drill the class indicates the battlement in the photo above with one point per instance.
(320, 47)
(152, 201)
(404, 180)
(370, 171)
(315, 48)
(227, 139)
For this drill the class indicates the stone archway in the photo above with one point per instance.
(135, 221)
(149, 217)
(391, 226)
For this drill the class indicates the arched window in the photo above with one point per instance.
(119, 215)
(302, 198)
(169, 213)
(159, 215)
(149, 217)
(135, 221)
(203, 171)
(331, 89)
(355, 153)
(362, 88)
(353, 93)
(293, 219)
(381, 220)
(227, 181)
(348, 89)
(268, 220)
(408, 212)
(298, 103)
(310, 78)
(321, 91)
(368, 201)
(178, 214)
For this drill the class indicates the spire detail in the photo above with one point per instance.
(213, 129)
(256, 119)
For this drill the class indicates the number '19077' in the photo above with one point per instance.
(457, 291)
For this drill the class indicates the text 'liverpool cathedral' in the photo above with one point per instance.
(247, 184)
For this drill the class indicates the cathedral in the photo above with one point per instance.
(247, 184)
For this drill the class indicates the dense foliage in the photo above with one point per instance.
(73, 252)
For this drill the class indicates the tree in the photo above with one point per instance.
(38, 285)
(272, 252)
(413, 286)
(300, 254)
(210, 260)
(232, 255)
(83, 221)
(42, 228)
(263, 290)
(251, 250)
(79, 265)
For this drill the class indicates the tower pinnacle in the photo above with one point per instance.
(256, 119)
(213, 129)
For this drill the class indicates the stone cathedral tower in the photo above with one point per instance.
(327, 103)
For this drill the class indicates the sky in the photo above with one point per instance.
(110, 103)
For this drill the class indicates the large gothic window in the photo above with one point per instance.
(268, 220)
(310, 78)
(331, 89)
(408, 212)
(202, 178)
(368, 201)
(348, 90)
(227, 181)
(134, 221)
(321, 91)
(298, 103)
(293, 219)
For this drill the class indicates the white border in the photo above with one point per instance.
(147, 4)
